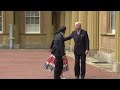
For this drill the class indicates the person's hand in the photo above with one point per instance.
(52, 55)
(86, 52)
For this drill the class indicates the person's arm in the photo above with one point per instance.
(69, 37)
(87, 42)
(61, 46)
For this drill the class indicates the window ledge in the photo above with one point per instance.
(107, 34)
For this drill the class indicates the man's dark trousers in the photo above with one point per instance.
(80, 65)
(58, 67)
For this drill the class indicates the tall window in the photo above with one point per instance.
(1, 21)
(32, 21)
(113, 21)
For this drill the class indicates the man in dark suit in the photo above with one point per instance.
(58, 49)
(81, 48)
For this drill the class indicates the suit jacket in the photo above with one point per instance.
(81, 41)
(58, 48)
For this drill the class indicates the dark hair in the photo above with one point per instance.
(62, 29)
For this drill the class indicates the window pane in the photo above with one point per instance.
(0, 27)
(37, 27)
(37, 20)
(27, 13)
(36, 13)
(32, 28)
(113, 20)
(32, 20)
(27, 20)
(32, 13)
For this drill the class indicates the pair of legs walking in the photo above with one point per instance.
(58, 68)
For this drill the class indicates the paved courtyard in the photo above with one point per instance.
(28, 64)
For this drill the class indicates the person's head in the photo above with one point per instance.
(78, 25)
(62, 29)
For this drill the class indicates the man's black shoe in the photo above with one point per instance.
(82, 77)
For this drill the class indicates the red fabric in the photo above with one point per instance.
(52, 59)
(50, 63)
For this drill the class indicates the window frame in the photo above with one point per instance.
(112, 30)
(33, 24)
(1, 21)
